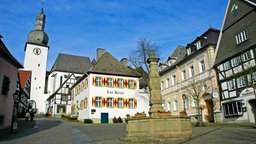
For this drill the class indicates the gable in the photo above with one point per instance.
(244, 20)
(107, 64)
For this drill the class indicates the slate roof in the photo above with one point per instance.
(71, 63)
(23, 77)
(180, 54)
(234, 23)
(5, 53)
(107, 64)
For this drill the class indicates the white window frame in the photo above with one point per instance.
(167, 83)
(131, 103)
(198, 45)
(120, 103)
(120, 83)
(175, 105)
(110, 102)
(110, 82)
(202, 65)
(189, 51)
(98, 102)
(191, 71)
(131, 84)
(98, 81)
(173, 79)
(241, 37)
(183, 74)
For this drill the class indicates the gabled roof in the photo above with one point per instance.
(107, 64)
(243, 18)
(72, 64)
(23, 77)
(4, 52)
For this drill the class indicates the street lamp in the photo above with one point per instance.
(184, 97)
(16, 98)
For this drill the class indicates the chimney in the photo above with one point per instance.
(124, 61)
(100, 52)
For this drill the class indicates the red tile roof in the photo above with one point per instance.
(23, 76)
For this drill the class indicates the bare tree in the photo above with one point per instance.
(138, 57)
(195, 91)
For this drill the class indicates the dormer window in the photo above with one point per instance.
(198, 45)
(189, 51)
(241, 37)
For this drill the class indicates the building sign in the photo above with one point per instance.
(115, 92)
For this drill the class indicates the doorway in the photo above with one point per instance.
(104, 118)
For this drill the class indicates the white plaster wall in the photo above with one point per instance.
(91, 91)
(6, 102)
(37, 64)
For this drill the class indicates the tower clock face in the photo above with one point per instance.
(37, 51)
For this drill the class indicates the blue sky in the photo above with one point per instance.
(79, 27)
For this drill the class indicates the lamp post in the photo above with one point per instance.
(16, 98)
(184, 97)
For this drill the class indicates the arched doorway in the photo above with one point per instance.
(208, 111)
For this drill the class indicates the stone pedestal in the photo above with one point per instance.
(156, 129)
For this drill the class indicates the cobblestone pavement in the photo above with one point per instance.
(52, 131)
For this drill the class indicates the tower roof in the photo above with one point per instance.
(38, 36)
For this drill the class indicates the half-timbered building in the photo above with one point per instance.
(235, 61)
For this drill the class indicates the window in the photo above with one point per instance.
(131, 84)
(98, 81)
(173, 79)
(251, 77)
(98, 102)
(241, 82)
(175, 104)
(5, 85)
(120, 83)
(162, 85)
(235, 61)
(227, 65)
(198, 44)
(241, 37)
(189, 51)
(183, 75)
(110, 102)
(169, 106)
(120, 103)
(131, 103)
(193, 103)
(246, 56)
(231, 84)
(202, 65)
(110, 82)
(191, 71)
(232, 109)
(167, 82)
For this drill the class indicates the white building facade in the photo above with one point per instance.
(101, 96)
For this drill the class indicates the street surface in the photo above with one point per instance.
(54, 131)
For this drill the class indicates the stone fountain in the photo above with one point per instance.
(160, 125)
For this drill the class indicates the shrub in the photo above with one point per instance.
(72, 118)
(88, 121)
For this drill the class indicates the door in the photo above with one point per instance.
(104, 118)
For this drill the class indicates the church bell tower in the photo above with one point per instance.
(36, 53)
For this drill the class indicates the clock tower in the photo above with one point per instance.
(36, 52)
